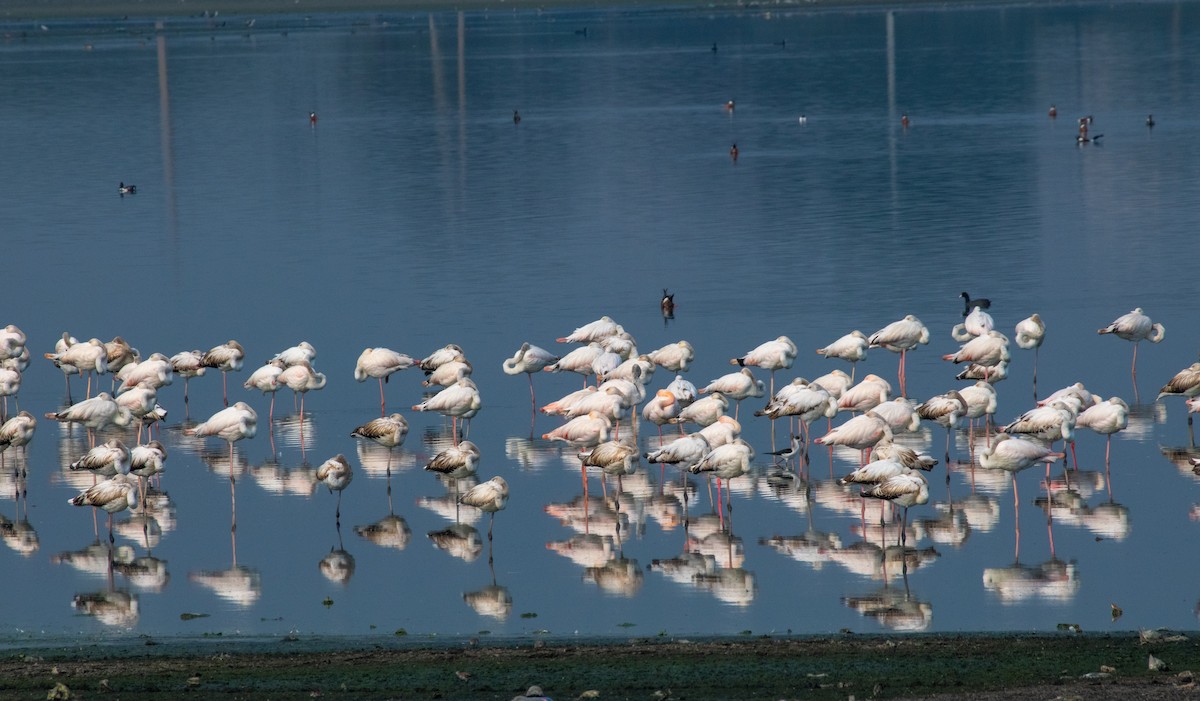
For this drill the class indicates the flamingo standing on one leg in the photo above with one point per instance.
(528, 360)
(900, 337)
(380, 363)
(1137, 327)
(225, 357)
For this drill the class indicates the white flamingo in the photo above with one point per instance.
(336, 473)
(852, 348)
(226, 357)
(458, 401)
(1136, 327)
(528, 360)
(900, 337)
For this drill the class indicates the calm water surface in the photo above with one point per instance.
(416, 214)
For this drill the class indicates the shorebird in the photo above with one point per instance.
(852, 348)
(725, 462)
(661, 409)
(736, 386)
(703, 412)
(489, 497)
(266, 380)
(18, 431)
(593, 331)
(456, 462)
(387, 431)
(336, 473)
(969, 304)
(674, 357)
(578, 361)
(945, 409)
(187, 364)
(861, 433)
(684, 451)
(225, 357)
(145, 461)
(230, 424)
(96, 414)
(869, 393)
(612, 457)
(1185, 383)
(88, 357)
(907, 489)
(527, 360)
(446, 354)
(900, 337)
(380, 363)
(301, 379)
(302, 351)
(795, 447)
(458, 401)
(1105, 418)
(111, 458)
(111, 495)
(977, 323)
(1013, 454)
(1135, 326)
(772, 355)
(587, 430)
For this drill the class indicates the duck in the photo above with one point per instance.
(123, 189)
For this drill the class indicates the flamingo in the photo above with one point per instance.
(1135, 326)
(987, 350)
(869, 393)
(302, 351)
(1052, 422)
(1030, 333)
(458, 401)
(380, 363)
(900, 337)
(1105, 418)
(446, 354)
(187, 365)
(861, 433)
(112, 495)
(703, 412)
(226, 357)
(230, 424)
(981, 401)
(725, 462)
(836, 382)
(1185, 383)
(528, 360)
(946, 409)
(145, 461)
(88, 357)
(661, 409)
(737, 386)
(456, 462)
(900, 414)
(489, 497)
(772, 355)
(673, 357)
(885, 450)
(684, 451)
(852, 348)
(612, 457)
(140, 401)
(991, 375)
(583, 431)
(387, 431)
(301, 379)
(111, 458)
(18, 431)
(723, 430)
(578, 361)
(266, 380)
(907, 489)
(447, 374)
(336, 473)
(10, 385)
(977, 323)
(593, 331)
(1013, 454)
(95, 414)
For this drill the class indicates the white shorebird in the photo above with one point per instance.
(230, 424)
(674, 357)
(96, 414)
(900, 337)
(60, 347)
(447, 374)
(111, 458)
(852, 348)
(187, 365)
(661, 409)
(684, 451)
(683, 390)
(861, 433)
(456, 462)
(987, 350)
(526, 361)
(458, 401)
(908, 457)
(301, 378)
(612, 458)
(1136, 327)
(266, 380)
(336, 473)
(703, 412)
(18, 431)
(1185, 383)
(387, 431)
(981, 402)
(1013, 454)
(582, 431)
(489, 497)
(1105, 418)
(10, 385)
(593, 331)
(1050, 423)
(226, 357)
(977, 323)
(945, 409)
(446, 354)
(302, 351)
(907, 489)
(112, 495)
(155, 371)
(737, 386)
(578, 361)
(380, 363)
(1030, 332)
(88, 357)
(772, 355)
(900, 414)
(725, 462)
(869, 393)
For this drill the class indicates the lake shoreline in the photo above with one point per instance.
(985, 666)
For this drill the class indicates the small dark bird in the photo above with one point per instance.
(733, 152)
(667, 303)
(969, 304)
(1053, 112)
(714, 48)
(123, 189)
(1150, 121)
(785, 454)
(581, 32)
(516, 117)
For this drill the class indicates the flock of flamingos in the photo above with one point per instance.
(594, 415)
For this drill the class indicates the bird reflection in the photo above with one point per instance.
(338, 565)
(294, 431)
(618, 576)
(873, 562)
(530, 454)
(493, 601)
(893, 608)
(730, 585)
(1054, 580)
(727, 550)
(19, 536)
(276, 479)
(239, 585)
(585, 549)
(391, 531)
(813, 547)
(447, 505)
(141, 528)
(1184, 459)
(378, 460)
(951, 527)
(685, 568)
(111, 607)
(1068, 507)
(460, 540)
(147, 573)
(592, 515)
(982, 512)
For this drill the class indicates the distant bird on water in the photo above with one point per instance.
(516, 117)
(969, 304)
(123, 189)
(667, 304)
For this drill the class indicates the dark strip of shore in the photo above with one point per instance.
(988, 667)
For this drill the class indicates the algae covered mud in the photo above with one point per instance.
(984, 667)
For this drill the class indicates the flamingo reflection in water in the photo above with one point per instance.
(1012, 454)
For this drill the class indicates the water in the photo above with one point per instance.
(416, 214)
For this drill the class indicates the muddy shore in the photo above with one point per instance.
(1048, 666)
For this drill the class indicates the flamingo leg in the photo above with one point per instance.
(225, 387)
(382, 403)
